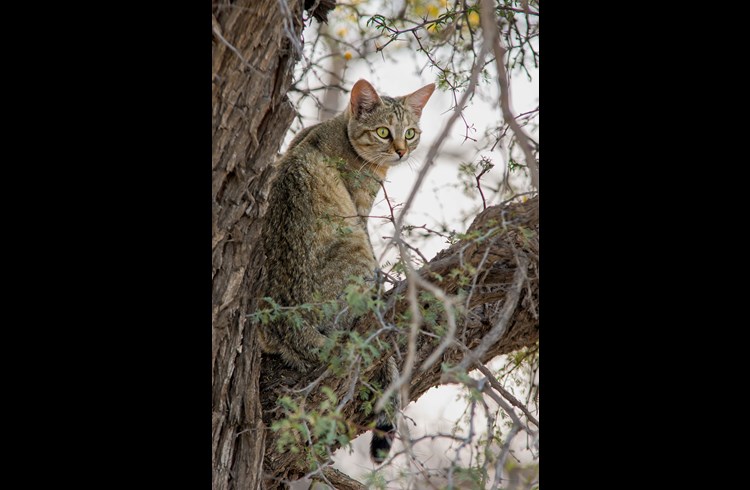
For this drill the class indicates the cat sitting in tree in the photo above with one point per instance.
(327, 181)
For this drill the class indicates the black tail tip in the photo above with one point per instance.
(381, 442)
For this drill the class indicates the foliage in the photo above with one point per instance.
(312, 433)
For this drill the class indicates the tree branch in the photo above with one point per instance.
(502, 242)
(342, 481)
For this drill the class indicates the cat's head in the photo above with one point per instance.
(385, 130)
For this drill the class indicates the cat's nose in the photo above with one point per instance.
(400, 152)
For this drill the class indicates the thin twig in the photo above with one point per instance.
(503, 456)
(492, 33)
(505, 393)
(479, 185)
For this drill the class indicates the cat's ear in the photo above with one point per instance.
(364, 98)
(417, 100)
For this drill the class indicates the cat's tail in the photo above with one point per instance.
(382, 439)
(385, 424)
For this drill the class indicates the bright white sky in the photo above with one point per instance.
(436, 410)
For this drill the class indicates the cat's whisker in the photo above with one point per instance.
(412, 163)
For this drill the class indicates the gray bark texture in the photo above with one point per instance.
(255, 47)
(253, 58)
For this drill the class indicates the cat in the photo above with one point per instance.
(315, 233)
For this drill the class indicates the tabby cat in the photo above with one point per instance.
(315, 235)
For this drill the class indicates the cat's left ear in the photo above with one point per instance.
(417, 100)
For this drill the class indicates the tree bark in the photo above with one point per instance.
(253, 58)
(255, 45)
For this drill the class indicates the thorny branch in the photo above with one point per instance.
(492, 33)
(397, 239)
(420, 368)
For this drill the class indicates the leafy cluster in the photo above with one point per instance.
(312, 433)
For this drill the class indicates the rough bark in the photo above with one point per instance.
(253, 60)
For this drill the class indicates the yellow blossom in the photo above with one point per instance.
(341, 32)
(473, 19)
(348, 55)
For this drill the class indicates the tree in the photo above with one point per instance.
(482, 290)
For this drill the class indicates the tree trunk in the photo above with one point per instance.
(254, 53)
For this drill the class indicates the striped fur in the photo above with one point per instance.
(315, 234)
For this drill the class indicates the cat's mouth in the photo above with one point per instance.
(387, 159)
(394, 159)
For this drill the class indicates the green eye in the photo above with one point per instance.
(383, 132)
(409, 133)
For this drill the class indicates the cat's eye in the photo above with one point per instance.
(383, 132)
(409, 133)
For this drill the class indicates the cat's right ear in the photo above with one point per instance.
(417, 100)
(364, 98)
